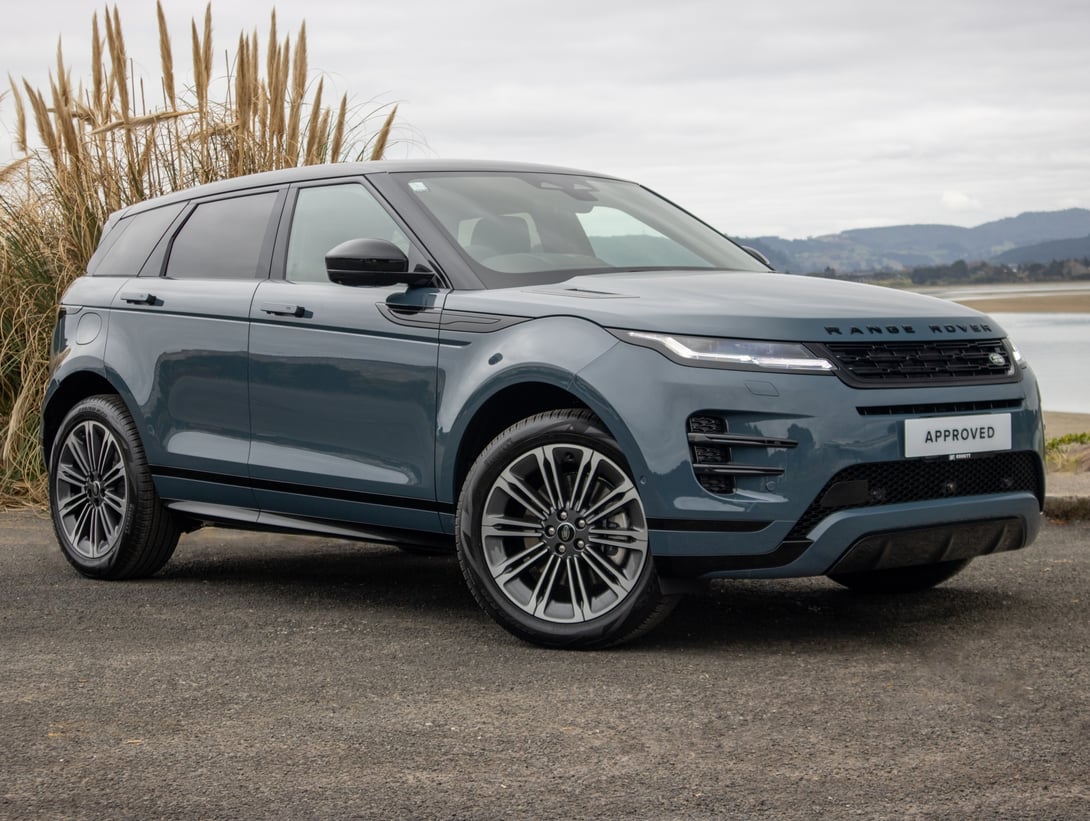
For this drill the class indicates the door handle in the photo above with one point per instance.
(138, 298)
(282, 310)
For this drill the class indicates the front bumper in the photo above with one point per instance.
(868, 539)
(778, 524)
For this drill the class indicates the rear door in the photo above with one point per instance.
(343, 379)
(178, 342)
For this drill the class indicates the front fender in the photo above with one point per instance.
(476, 367)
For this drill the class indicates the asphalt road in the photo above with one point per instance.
(271, 677)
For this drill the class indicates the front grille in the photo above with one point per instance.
(926, 362)
(915, 480)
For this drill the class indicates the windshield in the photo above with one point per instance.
(519, 228)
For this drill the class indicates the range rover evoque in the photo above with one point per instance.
(592, 396)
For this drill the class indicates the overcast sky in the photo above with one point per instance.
(795, 118)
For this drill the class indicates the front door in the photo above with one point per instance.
(342, 379)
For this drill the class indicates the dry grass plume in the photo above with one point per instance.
(101, 145)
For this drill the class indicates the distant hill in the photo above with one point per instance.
(1046, 252)
(902, 247)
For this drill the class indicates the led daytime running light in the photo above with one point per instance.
(677, 346)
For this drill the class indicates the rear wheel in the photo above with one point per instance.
(108, 519)
(552, 535)
(900, 579)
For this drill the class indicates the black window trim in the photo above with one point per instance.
(283, 234)
(156, 266)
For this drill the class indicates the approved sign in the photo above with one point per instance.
(945, 435)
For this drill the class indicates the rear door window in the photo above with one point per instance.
(222, 239)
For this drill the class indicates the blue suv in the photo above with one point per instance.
(592, 396)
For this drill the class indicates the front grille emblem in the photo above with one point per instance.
(997, 359)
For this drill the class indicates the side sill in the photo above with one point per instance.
(248, 519)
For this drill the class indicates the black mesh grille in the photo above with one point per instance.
(914, 480)
(721, 485)
(924, 362)
(706, 424)
(710, 455)
(940, 407)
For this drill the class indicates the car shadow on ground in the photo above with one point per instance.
(340, 573)
(360, 578)
(789, 612)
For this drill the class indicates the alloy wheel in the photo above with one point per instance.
(564, 533)
(92, 489)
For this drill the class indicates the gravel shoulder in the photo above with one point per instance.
(281, 677)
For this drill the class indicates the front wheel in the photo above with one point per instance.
(552, 536)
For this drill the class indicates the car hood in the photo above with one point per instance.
(736, 304)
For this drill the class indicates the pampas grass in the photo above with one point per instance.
(103, 145)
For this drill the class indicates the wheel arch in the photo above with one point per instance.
(73, 389)
(514, 402)
(498, 412)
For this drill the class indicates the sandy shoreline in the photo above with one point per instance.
(1060, 424)
(1075, 303)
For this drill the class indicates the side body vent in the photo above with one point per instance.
(711, 451)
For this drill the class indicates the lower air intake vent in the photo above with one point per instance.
(706, 424)
(711, 451)
(914, 480)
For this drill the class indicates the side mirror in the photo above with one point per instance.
(373, 263)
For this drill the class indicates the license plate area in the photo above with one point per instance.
(953, 435)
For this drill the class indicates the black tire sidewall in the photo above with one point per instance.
(571, 427)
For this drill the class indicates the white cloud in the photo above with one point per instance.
(959, 201)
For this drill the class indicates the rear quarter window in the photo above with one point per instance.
(124, 250)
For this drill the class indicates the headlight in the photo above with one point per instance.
(742, 354)
(1018, 358)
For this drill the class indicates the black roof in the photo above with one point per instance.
(346, 169)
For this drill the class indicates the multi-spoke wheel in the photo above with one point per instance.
(92, 489)
(109, 521)
(552, 535)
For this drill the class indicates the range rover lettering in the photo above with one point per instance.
(591, 396)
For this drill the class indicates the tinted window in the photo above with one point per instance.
(222, 239)
(127, 247)
(326, 216)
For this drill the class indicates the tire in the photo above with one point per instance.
(552, 538)
(109, 521)
(901, 579)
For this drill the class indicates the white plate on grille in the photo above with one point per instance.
(949, 435)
